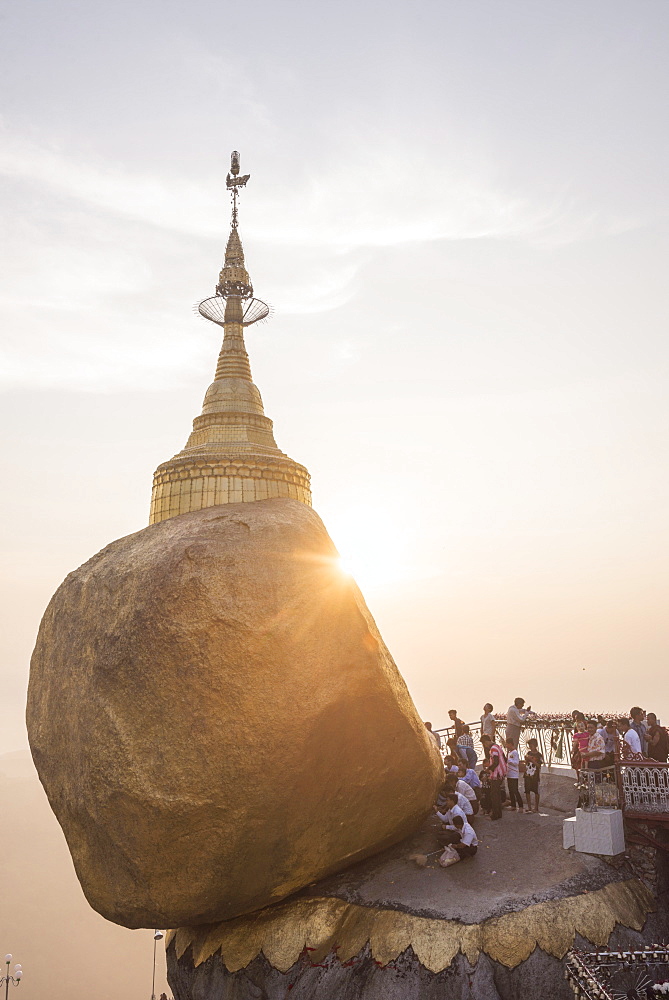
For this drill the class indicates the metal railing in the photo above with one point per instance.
(598, 788)
(643, 784)
(640, 788)
(637, 785)
(644, 788)
(554, 739)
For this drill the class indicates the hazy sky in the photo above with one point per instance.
(459, 214)
(68, 952)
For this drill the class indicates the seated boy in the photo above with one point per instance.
(468, 844)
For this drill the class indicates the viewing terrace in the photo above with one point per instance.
(636, 784)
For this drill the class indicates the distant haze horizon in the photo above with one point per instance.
(66, 949)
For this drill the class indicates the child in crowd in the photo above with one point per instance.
(533, 761)
(484, 793)
(512, 775)
(467, 846)
(579, 743)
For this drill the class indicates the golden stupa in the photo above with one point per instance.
(231, 455)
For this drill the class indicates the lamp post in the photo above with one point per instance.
(157, 936)
(14, 980)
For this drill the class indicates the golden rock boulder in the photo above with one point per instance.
(216, 720)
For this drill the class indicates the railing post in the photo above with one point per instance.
(619, 775)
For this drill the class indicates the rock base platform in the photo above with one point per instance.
(494, 927)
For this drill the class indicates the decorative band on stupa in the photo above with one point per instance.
(231, 455)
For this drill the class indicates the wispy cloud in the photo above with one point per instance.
(381, 197)
(104, 260)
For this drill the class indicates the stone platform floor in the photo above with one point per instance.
(520, 861)
(494, 927)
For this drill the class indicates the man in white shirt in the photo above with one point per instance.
(449, 834)
(515, 717)
(631, 736)
(468, 843)
(450, 787)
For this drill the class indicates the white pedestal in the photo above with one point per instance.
(600, 832)
(569, 832)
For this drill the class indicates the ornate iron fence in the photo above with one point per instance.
(641, 789)
(645, 788)
(643, 784)
(618, 975)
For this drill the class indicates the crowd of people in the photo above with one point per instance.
(594, 740)
(472, 788)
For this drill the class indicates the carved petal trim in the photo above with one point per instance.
(282, 932)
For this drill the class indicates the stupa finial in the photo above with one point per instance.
(231, 455)
(234, 291)
(234, 183)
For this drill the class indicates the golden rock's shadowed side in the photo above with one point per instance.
(216, 719)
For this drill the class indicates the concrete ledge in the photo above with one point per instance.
(557, 789)
(569, 832)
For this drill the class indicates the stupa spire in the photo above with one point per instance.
(231, 455)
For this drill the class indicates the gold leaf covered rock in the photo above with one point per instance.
(216, 719)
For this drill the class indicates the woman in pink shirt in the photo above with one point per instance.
(497, 768)
(579, 744)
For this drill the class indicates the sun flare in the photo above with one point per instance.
(372, 549)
